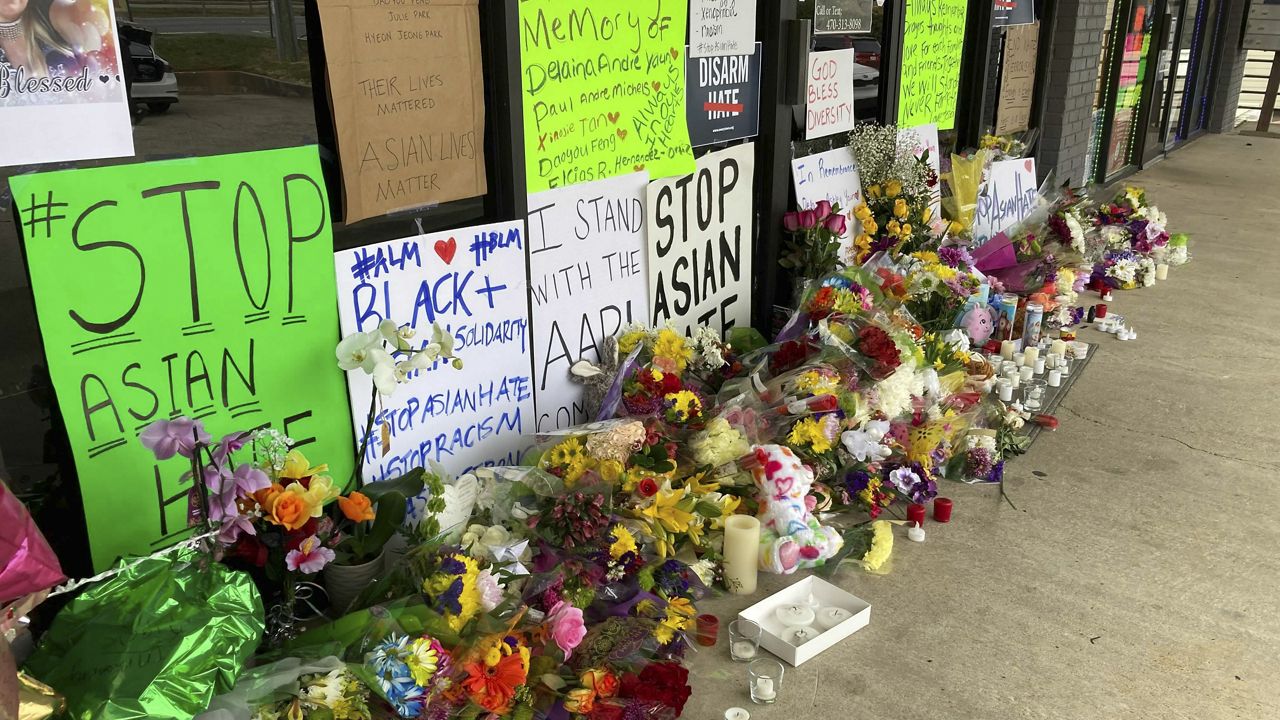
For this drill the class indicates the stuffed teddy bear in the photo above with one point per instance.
(790, 536)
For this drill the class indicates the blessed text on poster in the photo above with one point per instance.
(1009, 196)
(932, 44)
(724, 98)
(700, 243)
(1017, 78)
(407, 96)
(830, 176)
(62, 90)
(829, 99)
(199, 288)
(604, 90)
(588, 271)
(471, 282)
(721, 27)
(838, 17)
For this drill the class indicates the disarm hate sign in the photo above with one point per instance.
(724, 98)
(472, 282)
(407, 96)
(198, 287)
(700, 242)
(587, 267)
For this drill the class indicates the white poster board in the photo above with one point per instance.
(66, 99)
(472, 282)
(830, 176)
(721, 27)
(927, 140)
(588, 277)
(700, 243)
(829, 99)
(1009, 195)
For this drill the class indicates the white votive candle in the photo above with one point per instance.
(1025, 373)
(1007, 348)
(764, 689)
(743, 650)
(1019, 358)
(1162, 271)
(1055, 378)
(1039, 365)
(1030, 355)
(1006, 390)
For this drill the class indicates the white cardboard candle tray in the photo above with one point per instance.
(827, 595)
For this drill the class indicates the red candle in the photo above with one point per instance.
(1100, 311)
(708, 630)
(942, 509)
(915, 514)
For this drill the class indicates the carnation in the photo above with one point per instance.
(893, 394)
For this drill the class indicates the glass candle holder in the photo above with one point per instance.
(744, 640)
(1033, 394)
(764, 679)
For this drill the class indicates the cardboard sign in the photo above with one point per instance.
(1017, 78)
(932, 45)
(830, 176)
(724, 98)
(700, 243)
(588, 271)
(1013, 12)
(926, 139)
(62, 90)
(721, 27)
(199, 287)
(1009, 195)
(472, 282)
(829, 107)
(841, 17)
(407, 94)
(603, 90)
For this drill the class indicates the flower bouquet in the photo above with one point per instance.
(813, 249)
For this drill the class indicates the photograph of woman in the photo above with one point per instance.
(57, 39)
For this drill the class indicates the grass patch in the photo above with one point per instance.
(233, 52)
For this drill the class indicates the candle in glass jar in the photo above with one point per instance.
(1030, 355)
(764, 689)
(1055, 377)
(1039, 365)
(743, 650)
(1025, 373)
(1007, 348)
(1162, 271)
(1006, 389)
(741, 553)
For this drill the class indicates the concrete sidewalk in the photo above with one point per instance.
(1139, 576)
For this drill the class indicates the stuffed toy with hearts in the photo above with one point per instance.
(790, 536)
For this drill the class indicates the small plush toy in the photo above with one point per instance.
(790, 536)
(979, 322)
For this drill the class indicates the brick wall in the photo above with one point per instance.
(1228, 67)
(1072, 79)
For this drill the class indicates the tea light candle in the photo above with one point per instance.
(741, 553)
(1039, 365)
(1007, 348)
(1025, 373)
(1162, 271)
(801, 635)
(832, 616)
(1055, 378)
(744, 650)
(1030, 355)
(736, 713)
(1058, 347)
(915, 533)
(795, 615)
(764, 689)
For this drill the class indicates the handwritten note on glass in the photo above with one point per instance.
(199, 287)
(721, 27)
(604, 90)
(932, 45)
(472, 282)
(407, 95)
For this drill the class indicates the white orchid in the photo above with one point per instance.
(356, 351)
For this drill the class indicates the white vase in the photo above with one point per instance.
(344, 582)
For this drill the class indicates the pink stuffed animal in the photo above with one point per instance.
(979, 322)
(790, 536)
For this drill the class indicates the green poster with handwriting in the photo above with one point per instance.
(932, 45)
(603, 88)
(201, 287)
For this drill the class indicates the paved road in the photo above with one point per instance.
(257, 25)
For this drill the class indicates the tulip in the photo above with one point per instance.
(836, 224)
(808, 220)
(791, 221)
(823, 209)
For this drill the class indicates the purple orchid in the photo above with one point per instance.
(167, 438)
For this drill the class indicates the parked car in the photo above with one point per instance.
(154, 85)
(867, 51)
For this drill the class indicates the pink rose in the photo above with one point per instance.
(791, 221)
(822, 209)
(836, 224)
(808, 219)
(567, 627)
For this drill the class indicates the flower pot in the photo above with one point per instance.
(394, 551)
(345, 582)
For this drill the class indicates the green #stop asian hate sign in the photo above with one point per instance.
(201, 287)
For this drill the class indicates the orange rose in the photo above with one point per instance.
(602, 682)
(290, 510)
(356, 507)
(264, 498)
